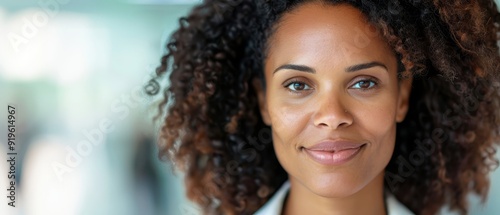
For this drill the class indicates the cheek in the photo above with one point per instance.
(287, 121)
(288, 126)
(376, 115)
(377, 119)
(377, 123)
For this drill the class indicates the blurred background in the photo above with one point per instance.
(85, 141)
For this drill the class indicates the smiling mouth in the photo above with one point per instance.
(333, 157)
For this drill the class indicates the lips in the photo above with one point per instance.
(334, 152)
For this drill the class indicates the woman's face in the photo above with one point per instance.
(332, 98)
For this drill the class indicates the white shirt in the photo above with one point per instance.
(275, 203)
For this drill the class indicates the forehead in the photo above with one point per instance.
(317, 31)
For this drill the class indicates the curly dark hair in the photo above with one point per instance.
(445, 148)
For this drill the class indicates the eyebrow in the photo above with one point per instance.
(301, 68)
(352, 68)
(362, 66)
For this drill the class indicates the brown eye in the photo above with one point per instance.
(298, 86)
(364, 84)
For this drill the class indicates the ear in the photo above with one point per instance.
(261, 97)
(403, 98)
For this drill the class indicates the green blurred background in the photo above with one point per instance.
(84, 134)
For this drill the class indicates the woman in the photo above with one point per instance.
(333, 107)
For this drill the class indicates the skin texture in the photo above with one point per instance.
(216, 118)
(304, 108)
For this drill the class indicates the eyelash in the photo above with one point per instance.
(295, 81)
(371, 80)
(373, 84)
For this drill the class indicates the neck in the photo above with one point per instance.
(369, 200)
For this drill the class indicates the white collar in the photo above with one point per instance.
(274, 205)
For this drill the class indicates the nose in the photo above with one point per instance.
(331, 113)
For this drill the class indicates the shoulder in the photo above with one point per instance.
(275, 204)
(394, 207)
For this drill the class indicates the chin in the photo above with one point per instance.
(335, 187)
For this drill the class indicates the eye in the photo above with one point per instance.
(296, 86)
(365, 84)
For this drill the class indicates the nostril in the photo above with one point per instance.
(332, 116)
(323, 124)
(343, 124)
